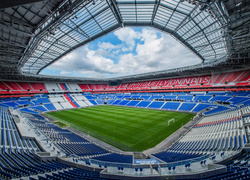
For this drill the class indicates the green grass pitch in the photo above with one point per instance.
(129, 129)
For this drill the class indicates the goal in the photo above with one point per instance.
(171, 120)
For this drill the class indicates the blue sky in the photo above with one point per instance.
(123, 52)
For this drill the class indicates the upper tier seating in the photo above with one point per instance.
(193, 83)
(53, 87)
(38, 87)
(210, 82)
(25, 86)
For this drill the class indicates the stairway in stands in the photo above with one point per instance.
(70, 101)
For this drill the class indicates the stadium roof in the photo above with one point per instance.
(36, 33)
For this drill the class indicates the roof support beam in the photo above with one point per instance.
(157, 3)
(19, 21)
(200, 31)
(16, 30)
(78, 29)
(113, 5)
(173, 9)
(10, 54)
(9, 3)
(12, 44)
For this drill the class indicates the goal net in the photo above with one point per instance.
(171, 120)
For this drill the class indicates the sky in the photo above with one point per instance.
(126, 51)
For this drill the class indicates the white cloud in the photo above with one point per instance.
(142, 52)
(65, 72)
(127, 36)
(107, 46)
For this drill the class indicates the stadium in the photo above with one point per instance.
(190, 122)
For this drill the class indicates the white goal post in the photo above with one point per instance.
(171, 120)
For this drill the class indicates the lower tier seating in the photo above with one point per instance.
(18, 165)
(238, 168)
(116, 158)
(173, 157)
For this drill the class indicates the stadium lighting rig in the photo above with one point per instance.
(203, 4)
(67, 8)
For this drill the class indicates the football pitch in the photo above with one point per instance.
(129, 129)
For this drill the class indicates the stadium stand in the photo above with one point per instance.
(156, 104)
(237, 168)
(221, 130)
(187, 106)
(186, 148)
(132, 103)
(123, 103)
(227, 80)
(143, 104)
(171, 105)
(116, 158)
(173, 157)
(10, 88)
